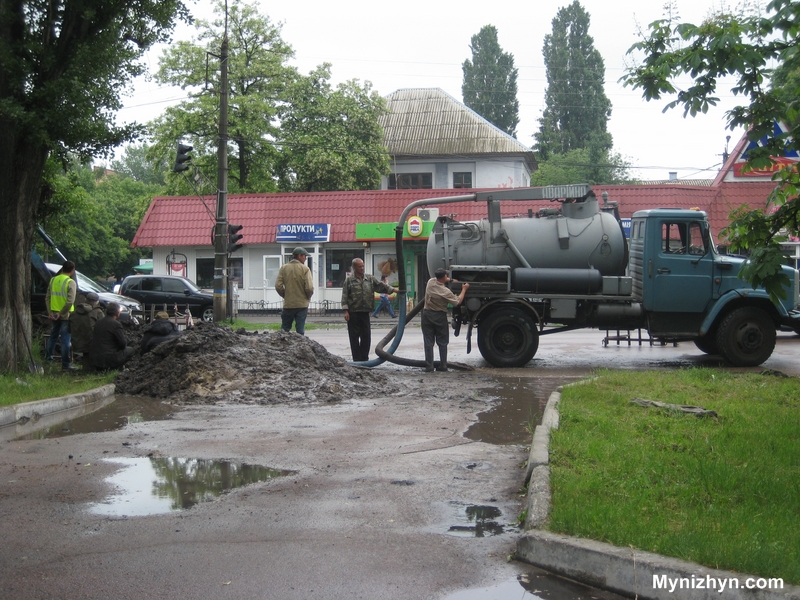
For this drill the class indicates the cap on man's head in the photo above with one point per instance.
(440, 273)
(298, 251)
(92, 297)
(162, 315)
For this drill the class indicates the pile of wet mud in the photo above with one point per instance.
(211, 363)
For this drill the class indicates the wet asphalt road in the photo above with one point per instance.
(379, 485)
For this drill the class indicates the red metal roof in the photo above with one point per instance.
(185, 221)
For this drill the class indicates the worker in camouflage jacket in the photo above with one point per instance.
(358, 298)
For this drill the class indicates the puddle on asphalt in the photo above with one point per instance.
(477, 521)
(535, 584)
(519, 406)
(157, 485)
(106, 417)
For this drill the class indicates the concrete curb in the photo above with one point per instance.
(33, 411)
(625, 571)
(639, 574)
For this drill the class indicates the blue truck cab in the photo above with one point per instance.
(691, 292)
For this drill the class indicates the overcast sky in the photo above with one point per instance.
(424, 43)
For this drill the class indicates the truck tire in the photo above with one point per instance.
(508, 338)
(746, 337)
(707, 343)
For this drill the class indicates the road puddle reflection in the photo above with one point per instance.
(478, 521)
(156, 485)
(113, 413)
(519, 407)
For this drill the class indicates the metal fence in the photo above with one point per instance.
(262, 307)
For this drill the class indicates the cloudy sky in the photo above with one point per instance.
(424, 43)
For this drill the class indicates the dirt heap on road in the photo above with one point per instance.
(210, 363)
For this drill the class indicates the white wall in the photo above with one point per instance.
(253, 272)
(489, 173)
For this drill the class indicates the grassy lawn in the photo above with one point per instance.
(24, 386)
(247, 325)
(723, 492)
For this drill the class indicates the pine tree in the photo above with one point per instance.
(490, 81)
(576, 107)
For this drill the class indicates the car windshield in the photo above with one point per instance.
(191, 285)
(88, 285)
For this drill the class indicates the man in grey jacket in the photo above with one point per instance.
(296, 286)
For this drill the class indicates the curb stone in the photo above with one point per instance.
(33, 411)
(625, 571)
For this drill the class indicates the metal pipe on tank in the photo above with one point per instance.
(503, 234)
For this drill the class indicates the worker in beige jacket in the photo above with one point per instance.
(296, 286)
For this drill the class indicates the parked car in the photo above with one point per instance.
(42, 272)
(162, 291)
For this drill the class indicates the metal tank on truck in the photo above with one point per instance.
(552, 251)
(570, 266)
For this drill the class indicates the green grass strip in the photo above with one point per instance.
(24, 387)
(723, 492)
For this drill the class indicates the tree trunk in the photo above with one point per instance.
(21, 167)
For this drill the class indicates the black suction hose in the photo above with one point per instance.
(409, 362)
(396, 332)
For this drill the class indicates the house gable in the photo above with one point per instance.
(433, 136)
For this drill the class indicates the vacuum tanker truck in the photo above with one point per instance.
(570, 267)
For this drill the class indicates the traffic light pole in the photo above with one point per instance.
(221, 228)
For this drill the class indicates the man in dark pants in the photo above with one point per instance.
(358, 293)
(435, 328)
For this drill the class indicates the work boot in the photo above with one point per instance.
(442, 359)
(429, 359)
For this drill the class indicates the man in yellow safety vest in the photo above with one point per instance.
(60, 301)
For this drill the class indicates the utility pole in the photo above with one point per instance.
(221, 228)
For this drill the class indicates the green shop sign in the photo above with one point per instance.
(374, 232)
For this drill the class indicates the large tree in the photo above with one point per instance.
(331, 138)
(490, 81)
(577, 109)
(258, 77)
(63, 67)
(287, 131)
(743, 48)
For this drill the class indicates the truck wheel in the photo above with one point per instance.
(707, 343)
(746, 337)
(508, 338)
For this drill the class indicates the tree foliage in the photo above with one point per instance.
(490, 81)
(331, 139)
(258, 77)
(743, 47)
(286, 131)
(99, 214)
(576, 109)
(134, 163)
(580, 165)
(63, 67)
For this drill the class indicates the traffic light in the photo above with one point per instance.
(182, 157)
(233, 238)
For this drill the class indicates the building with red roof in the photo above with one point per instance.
(336, 227)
